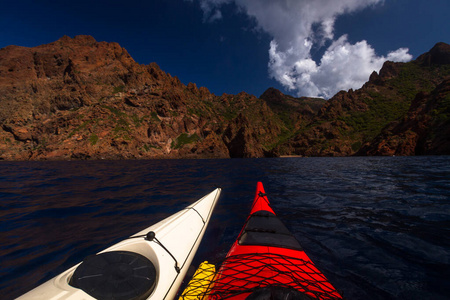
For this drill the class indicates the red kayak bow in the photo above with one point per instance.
(267, 262)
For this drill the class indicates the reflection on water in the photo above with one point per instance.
(377, 227)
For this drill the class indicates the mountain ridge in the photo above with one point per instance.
(77, 98)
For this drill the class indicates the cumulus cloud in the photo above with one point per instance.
(342, 66)
(297, 27)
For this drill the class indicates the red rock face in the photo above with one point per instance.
(77, 98)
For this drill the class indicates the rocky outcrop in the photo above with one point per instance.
(295, 112)
(241, 140)
(438, 55)
(425, 130)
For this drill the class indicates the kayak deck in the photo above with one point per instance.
(151, 264)
(266, 262)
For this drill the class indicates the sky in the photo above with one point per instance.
(301, 47)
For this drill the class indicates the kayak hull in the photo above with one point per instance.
(175, 242)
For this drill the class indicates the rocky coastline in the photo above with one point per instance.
(77, 98)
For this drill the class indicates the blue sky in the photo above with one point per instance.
(302, 47)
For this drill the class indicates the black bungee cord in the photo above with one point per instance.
(151, 236)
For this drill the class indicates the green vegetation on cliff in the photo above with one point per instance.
(351, 120)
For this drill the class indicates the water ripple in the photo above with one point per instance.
(377, 227)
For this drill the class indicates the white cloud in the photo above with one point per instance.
(210, 9)
(299, 25)
(399, 55)
(216, 16)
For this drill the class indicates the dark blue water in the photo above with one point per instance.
(379, 228)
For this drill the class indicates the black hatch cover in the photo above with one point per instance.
(119, 275)
(264, 228)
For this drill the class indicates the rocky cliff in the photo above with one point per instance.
(424, 130)
(77, 98)
(403, 110)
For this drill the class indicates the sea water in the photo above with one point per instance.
(378, 227)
